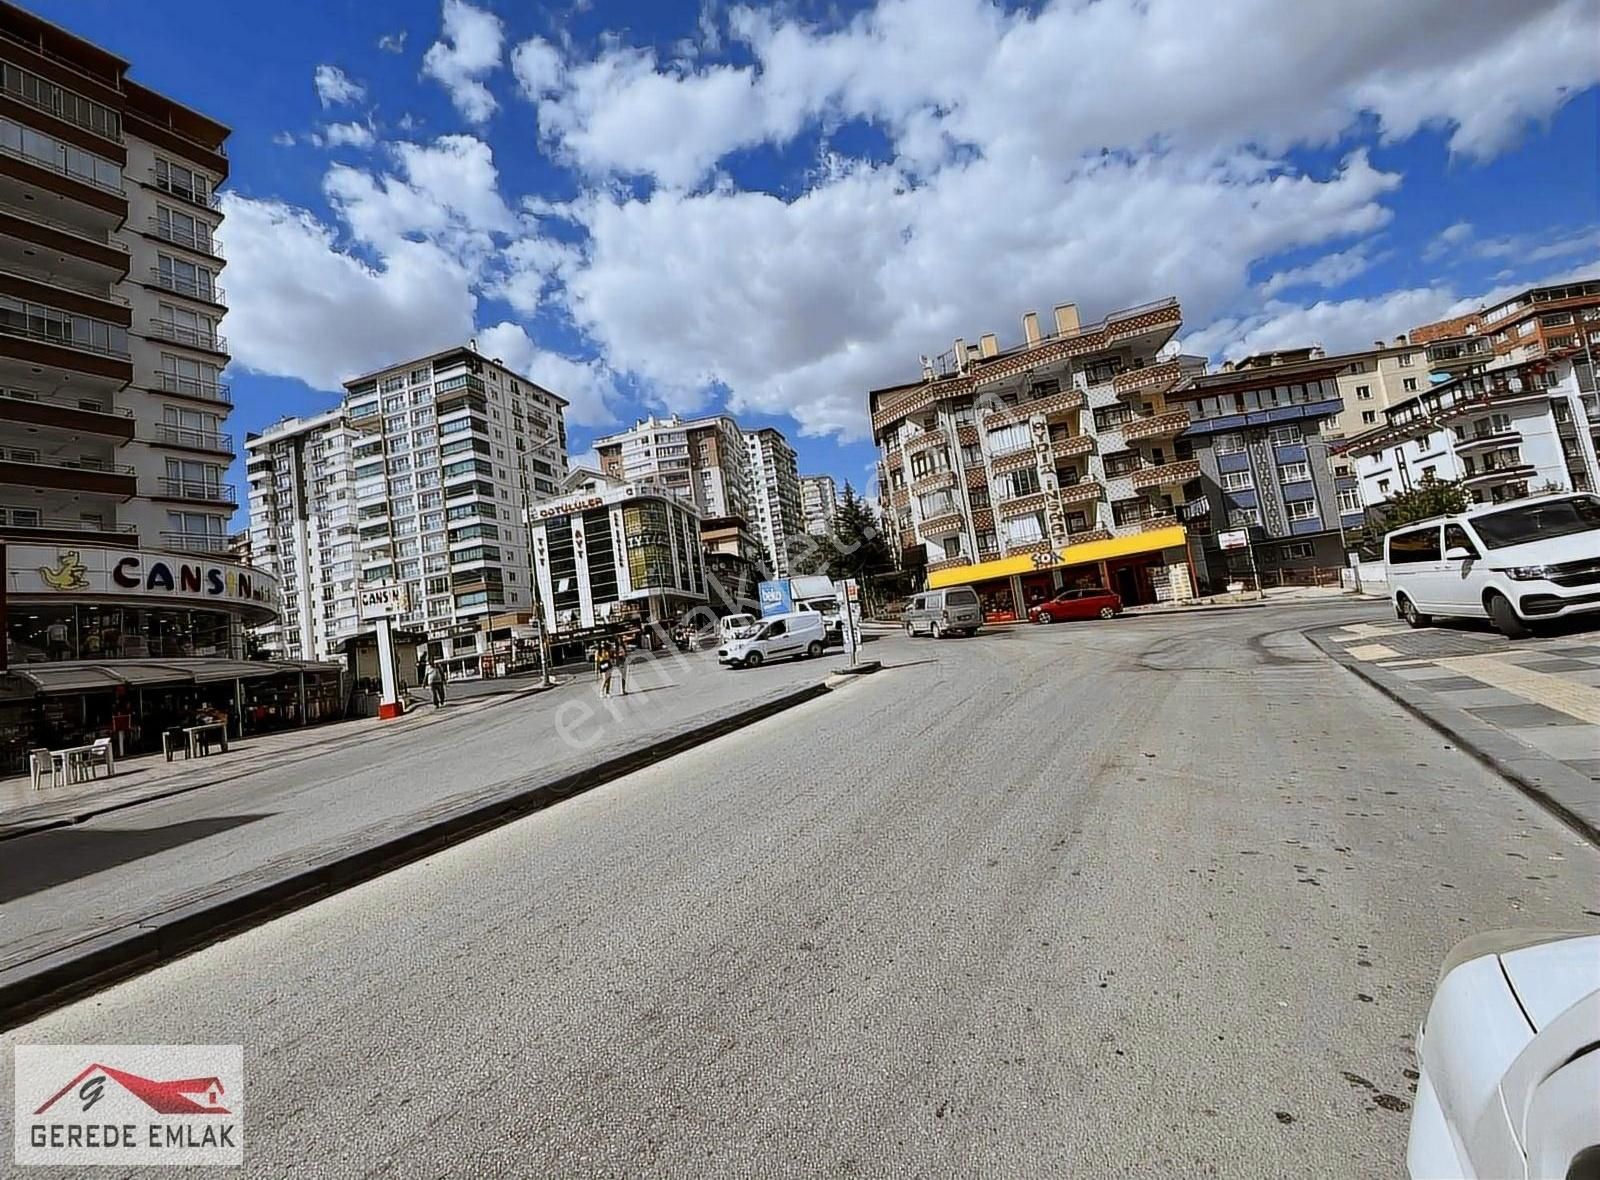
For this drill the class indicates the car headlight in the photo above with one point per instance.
(1527, 573)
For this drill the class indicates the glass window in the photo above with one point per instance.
(1294, 473)
(1229, 444)
(1301, 509)
(1413, 546)
(1236, 481)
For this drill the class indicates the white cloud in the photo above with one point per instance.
(393, 42)
(1338, 326)
(335, 87)
(587, 385)
(469, 48)
(1447, 240)
(348, 135)
(538, 68)
(283, 138)
(302, 308)
(1331, 270)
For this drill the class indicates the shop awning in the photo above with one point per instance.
(53, 679)
(1087, 551)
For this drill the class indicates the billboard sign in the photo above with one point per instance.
(776, 598)
(1235, 539)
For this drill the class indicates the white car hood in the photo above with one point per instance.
(1576, 547)
(1553, 976)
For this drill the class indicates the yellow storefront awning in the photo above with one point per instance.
(1088, 551)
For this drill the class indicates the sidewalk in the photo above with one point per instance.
(146, 777)
(1529, 709)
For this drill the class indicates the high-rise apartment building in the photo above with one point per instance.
(114, 499)
(1054, 463)
(705, 459)
(422, 477)
(775, 472)
(819, 504)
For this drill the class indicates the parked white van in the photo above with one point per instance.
(731, 627)
(1516, 563)
(799, 634)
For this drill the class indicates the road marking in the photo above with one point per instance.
(1372, 651)
(1372, 630)
(1543, 688)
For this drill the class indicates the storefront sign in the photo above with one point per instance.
(123, 573)
(383, 600)
(568, 507)
(1236, 539)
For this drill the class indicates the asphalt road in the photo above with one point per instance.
(1157, 897)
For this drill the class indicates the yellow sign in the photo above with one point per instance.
(67, 573)
(1168, 538)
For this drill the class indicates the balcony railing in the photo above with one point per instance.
(56, 464)
(942, 524)
(204, 490)
(214, 391)
(200, 440)
(204, 200)
(65, 227)
(48, 336)
(61, 524)
(67, 283)
(928, 438)
(1180, 471)
(1085, 489)
(59, 166)
(195, 238)
(64, 401)
(193, 288)
(194, 542)
(184, 334)
(1155, 425)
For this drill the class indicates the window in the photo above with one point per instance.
(1108, 417)
(1455, 537)
(1301, 509)
(1024, 530)
(1045, 388)
(1286, 436)
(1121, 463)
(1414, 547)
(972, 455)
(1240, 518)
(1294, 473)
(1236, 481)
(929, 462)
(978, 497)
(1364, 393)
(987, 543)
(1410, 384)
(1368, 417)
(1018, 483)
(1229, 444)
(1010, 438)
(1296, 551)
(1405, 360)
(1349, 500)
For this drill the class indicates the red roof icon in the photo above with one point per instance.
(179, 1096)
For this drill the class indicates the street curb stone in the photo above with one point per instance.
(59, 978)
(1557, 788)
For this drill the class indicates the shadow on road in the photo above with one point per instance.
(42, 861)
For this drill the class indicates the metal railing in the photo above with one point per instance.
(60, 168)
(194, 239)
(193, 337)
(77, 286)
(79, 464)
(194, 542)
(208, 201)
(214, 391)
(65, 227)
(61, 112)
(61, 524)
(193, 288)
(186, 436)
(46, 337)
(207, 490)
(56, 399)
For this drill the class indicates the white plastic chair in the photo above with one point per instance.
(41, 763)
(103, 755)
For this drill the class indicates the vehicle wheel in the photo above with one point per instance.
(1504, 617)
(814, 649)
(1043, 618)
(910, 633)
(937, 631)
(1107, 612)
(753, 660)
(1412, 616)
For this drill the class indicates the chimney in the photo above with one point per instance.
(1400, 340)
(1377, 344)
(1317, 353)
(1227, 366)
(961, 355)
(1066, 319)
(988, 345)
(1030, 328)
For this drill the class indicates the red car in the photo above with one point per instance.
(1093, 603)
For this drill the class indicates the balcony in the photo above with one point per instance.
(48, 172)
(1162, 376)
(197, 238)
(1500, 473)
(1165, 474)
(1013, 461)
(201, 491)
(948, 563)
(934, 481)
(943, 524)
(90, 476)
(20, 525)
(76, 245)
(1083, 491)
(1172, 423)
(60, 412)
(181, 191)
(194, 542)
(192, 387)
(1020, 505)
(1068, 448)
(193, 440)
(1049, 406)
(921, 442)
(206, 292)
(1487, 440)
(201, 338)
(1157, 521)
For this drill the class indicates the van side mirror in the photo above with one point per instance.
(1459, 553)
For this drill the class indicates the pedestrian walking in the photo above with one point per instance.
(436, 684)
(620, 659)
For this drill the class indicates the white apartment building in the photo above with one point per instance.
(819, 504)
(1504, 433)
(423, 476)
(775, 471)
(705, 459)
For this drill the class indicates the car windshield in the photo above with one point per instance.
(1538, 522)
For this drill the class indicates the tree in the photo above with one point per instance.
(859, 548)
(1429, 498)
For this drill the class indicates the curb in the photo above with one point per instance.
(1562, 792)
(69, 974)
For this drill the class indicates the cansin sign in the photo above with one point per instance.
(59, 570)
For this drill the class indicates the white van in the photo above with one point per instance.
(799, 633)
(1516, 563)
(731, 627)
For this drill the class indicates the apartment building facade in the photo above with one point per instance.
(423, 477)
(775, 474)
(1515, 430)
(617, 555)
(114, 500)
(819, 504)
(1537, 323)
(705, 459)
(1052, 464)
(1369, 382)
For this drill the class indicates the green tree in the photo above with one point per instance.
(1429, 498)
(859, 550)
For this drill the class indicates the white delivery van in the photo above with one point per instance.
(731, 627)
(799, 633)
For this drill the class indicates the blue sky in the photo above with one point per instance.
(697, 206)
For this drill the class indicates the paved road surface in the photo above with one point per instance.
(1148, 898)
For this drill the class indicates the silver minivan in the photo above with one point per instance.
(952, 611)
